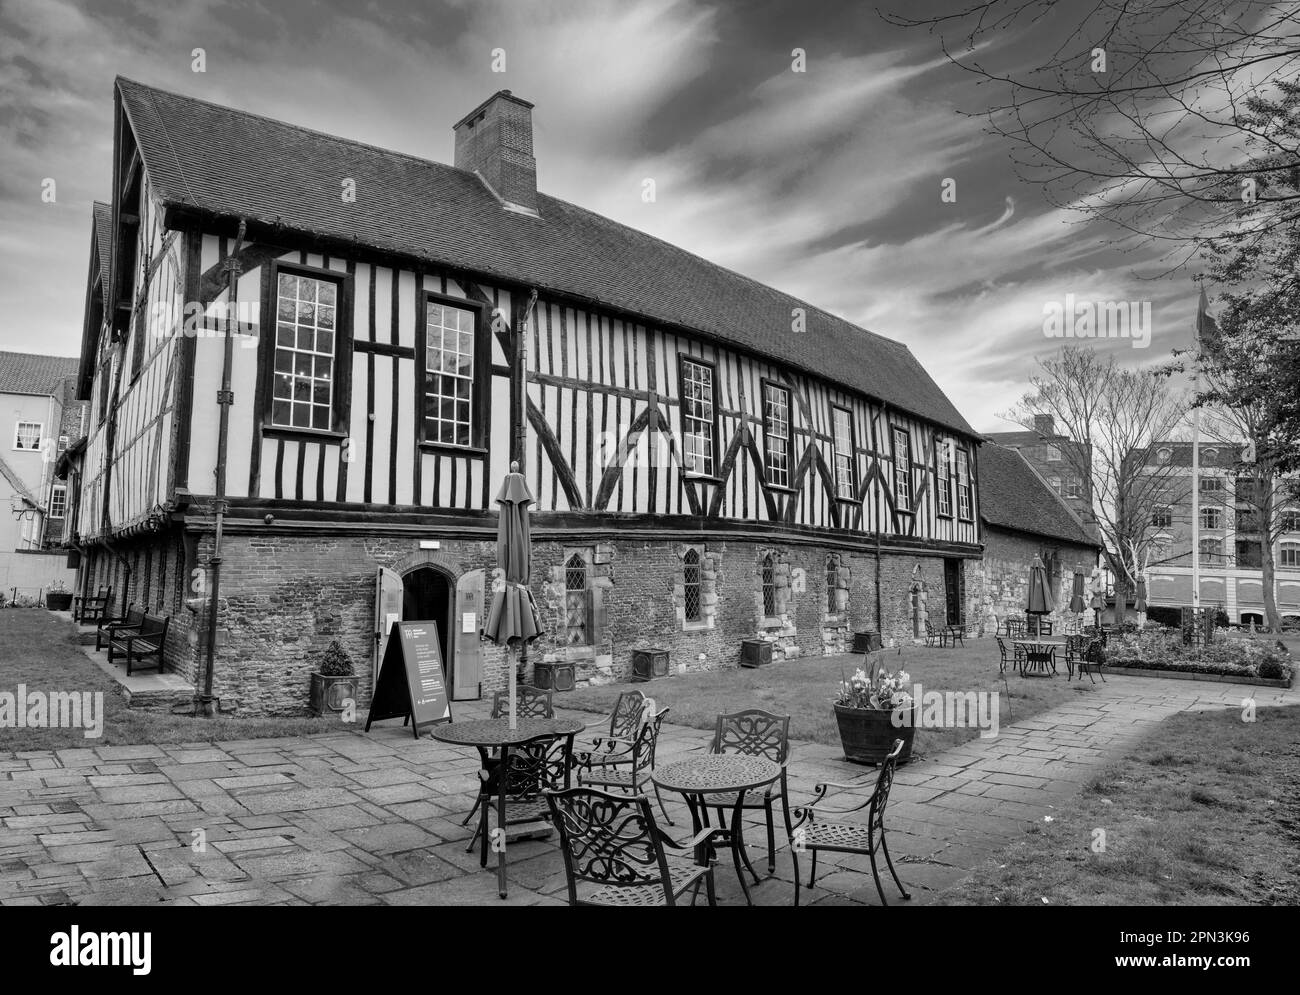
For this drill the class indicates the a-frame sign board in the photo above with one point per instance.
(411, 681)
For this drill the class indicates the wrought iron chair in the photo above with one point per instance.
(1017, 656)
(1045, 626)
(530, 703)
(933, 636)
(756, 733)
(612, 842)
(1016, 627)
(956, 633)
(848, 837)
(541, 764)
(628, 770)
(1093, 660)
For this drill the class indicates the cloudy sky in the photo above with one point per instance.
(825, 183)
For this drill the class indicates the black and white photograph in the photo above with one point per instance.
(626, 453)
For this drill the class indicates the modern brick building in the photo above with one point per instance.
(713, 460)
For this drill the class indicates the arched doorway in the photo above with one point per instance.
(427, 596)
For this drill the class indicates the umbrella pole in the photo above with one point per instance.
(510, 662)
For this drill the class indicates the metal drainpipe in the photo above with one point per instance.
(204, 703)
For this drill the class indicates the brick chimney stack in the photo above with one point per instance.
(495, 141)
(1045, 425)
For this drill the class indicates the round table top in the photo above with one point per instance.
(716, 772)
(497, 732)
(1038, 642)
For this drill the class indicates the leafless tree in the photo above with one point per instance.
(1116, 415)
(1144, 113)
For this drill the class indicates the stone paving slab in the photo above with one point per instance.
(350, 818)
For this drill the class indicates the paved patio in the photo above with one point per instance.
(350, 818)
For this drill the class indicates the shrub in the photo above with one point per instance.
(336, 662)
(1272, 669)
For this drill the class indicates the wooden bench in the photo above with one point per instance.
(93, 608)
(109, 627)
(147, 641)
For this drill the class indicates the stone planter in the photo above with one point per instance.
(755, 653)
(59, 601)
(329, 692)
(867, 734)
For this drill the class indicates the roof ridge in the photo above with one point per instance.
(559, 200)
(727, 269)
(303, 129)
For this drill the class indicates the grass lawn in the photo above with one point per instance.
(1204, 812)
(40, 651)
(804, 689)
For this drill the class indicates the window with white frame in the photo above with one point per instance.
(943, 478)
(1211, 518)
(965, 506)
(842, 427)
(1162, 516)
(1288, 555)
(449, 374)
(1073, 487)
(776, 433)
(902, 470)
(1163, 455)
(1053, 454)
(59, 501)
(1054, 482)
(1290, 520)
(305, 318)
(27, 435)
(697, 417)
(1211, 550)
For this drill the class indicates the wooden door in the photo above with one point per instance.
(954, 590)
(388, 609)
(467, 620)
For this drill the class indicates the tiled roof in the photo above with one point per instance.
(214, 159)
(1012, 496)
(28, 373)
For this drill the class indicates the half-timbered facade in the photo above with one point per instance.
(712, 460)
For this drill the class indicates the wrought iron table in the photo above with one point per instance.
(489, 734)
(1040, 656)
(697, 777)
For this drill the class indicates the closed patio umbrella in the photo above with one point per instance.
(1141, 605)
(1040, 600)
(1077, 604)
(512, 619)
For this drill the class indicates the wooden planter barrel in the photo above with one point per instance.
(868, 734)
(59, 601)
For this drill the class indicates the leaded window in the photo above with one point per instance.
(576, 600)
(776, 433)
(449, 374)
(691, 584)
(303, 389)
(767, 577)
(832, 580)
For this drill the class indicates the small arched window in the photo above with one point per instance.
(1163, 455)
(691, 584)
(767, 575)
(832, 580)
(576, 600)
(1209, 455)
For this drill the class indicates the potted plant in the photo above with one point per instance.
(58, 598)
(874, 708)
(335, 682)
